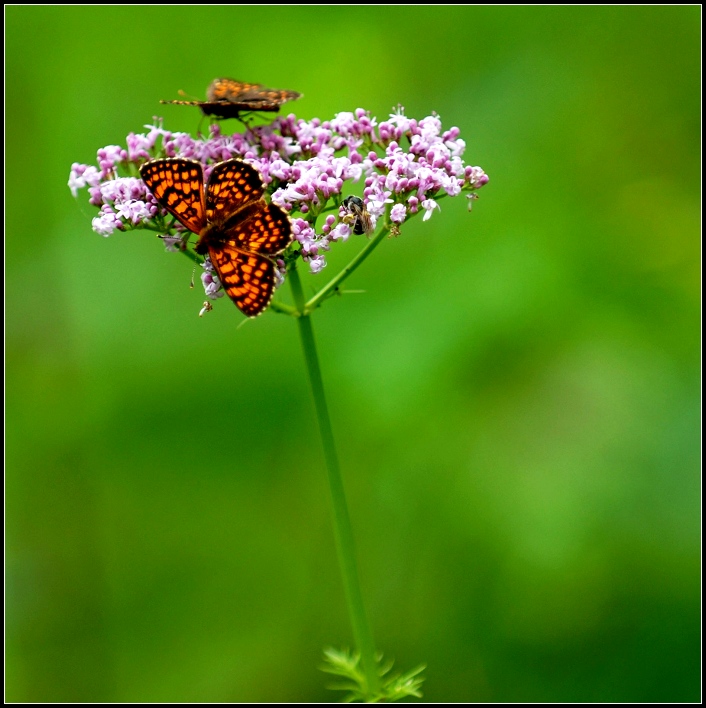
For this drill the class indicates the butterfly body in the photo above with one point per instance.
(237, 228)
(228, 98)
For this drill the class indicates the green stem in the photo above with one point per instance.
(342, 523)
(283, 308)
(333, 284)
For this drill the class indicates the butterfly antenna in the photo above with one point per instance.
(245, 321)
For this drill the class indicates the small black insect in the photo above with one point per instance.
(357, 216)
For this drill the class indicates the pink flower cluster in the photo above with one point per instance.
(305, 166)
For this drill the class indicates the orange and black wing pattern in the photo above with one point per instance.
(177, 185)
(230, 90)
(232, 185)
(236, 226)
(247, 278)
(266, 229)
(249, 96)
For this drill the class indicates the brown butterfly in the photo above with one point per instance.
(228, 98)
(236, 227)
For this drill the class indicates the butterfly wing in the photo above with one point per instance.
(274, 96)
(265, 229)
(252, 97)
(233, 185)
(247, 230)
(234, 202)
(247, 278)
(177, 185)
(222, 109)
(229, 89)
(257, 104)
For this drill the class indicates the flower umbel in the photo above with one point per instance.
(306, 166)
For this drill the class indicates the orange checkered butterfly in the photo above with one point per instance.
(228, 98)
(238, 229)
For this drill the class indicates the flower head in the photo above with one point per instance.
(404, 165)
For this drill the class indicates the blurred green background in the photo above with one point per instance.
(515, 397)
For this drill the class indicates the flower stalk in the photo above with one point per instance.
(341, 518)
(333, 284)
